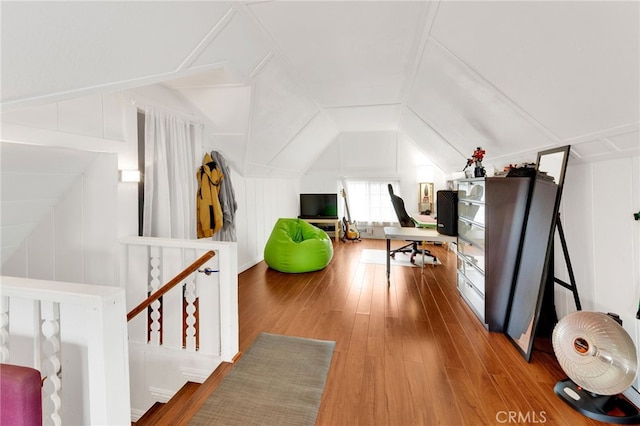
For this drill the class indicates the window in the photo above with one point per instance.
(369, 200)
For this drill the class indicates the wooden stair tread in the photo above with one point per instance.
(160, 412)
(184, 404)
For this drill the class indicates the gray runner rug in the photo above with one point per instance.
(279, 380)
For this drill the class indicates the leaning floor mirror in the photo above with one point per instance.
(537, 249)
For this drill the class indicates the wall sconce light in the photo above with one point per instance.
(130, 176)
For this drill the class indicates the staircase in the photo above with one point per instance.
(185, 403)
(184, 336)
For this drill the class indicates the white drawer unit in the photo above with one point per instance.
(472, 190)
(472, 252)
(471, 244)
(472, 233)
(473, 296)
(471, 271)
(471, 212)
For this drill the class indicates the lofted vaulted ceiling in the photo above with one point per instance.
(278, 82)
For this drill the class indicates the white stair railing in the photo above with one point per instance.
(193, 328)
(96, 369)
(76, 336)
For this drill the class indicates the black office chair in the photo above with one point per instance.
(406, 221)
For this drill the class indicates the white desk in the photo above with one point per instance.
(412, 234)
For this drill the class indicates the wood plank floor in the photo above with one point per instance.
(411, 353)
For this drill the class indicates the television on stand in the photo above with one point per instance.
(318, 206)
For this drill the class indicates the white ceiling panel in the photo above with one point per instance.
(226, 107)
(441, 152)
(513, 77)
(280, 110)
(372, 153)
(78, 116)
(55, 47)
(20, 158)
(239, 42)
(232, 146)
(305, 148)
(467, 110)
(574, 66)
(348, 53)
(628, 142)
(367, 118)
(592, 148)
(625, 145)
(41, 116)
(214, 77)
(328, 162)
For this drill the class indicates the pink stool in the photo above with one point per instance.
(20, 396)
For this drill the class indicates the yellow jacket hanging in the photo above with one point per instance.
(208, 206)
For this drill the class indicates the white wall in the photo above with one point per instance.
(603, 240)
(75, 239)
(373, 155)
(87, 221)
(414, 167)
(597, 208)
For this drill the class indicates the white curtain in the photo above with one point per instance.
(170, 175)
(370, 202)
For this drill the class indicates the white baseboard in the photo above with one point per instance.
(161, 395)
(196, 375)
(136, 414)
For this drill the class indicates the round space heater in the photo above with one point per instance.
(601, 361)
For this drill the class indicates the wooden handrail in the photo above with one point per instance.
(168, 286)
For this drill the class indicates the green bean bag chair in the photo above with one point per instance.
(297, 246)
